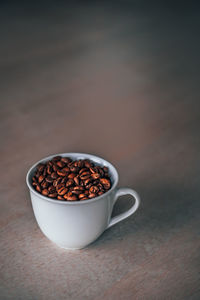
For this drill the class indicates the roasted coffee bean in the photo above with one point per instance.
(95, 176)
(49, 170)
(71, 175)
(87, 181)
(69, 182)
(56, 158)
(60, 185)
(88, 164)
(74, 169)
(54, 195)
(100, 193)
(91, 195)
(80, 196)
(62, 172)
(85, 175)
(57, 181)
(92, 170)
(83, 170)
(54, 175)
(51, 189)
(62, 191)
(60, 164)
(76, 180)
(45, 192)
(49, 179)
(44, 184)
(93, 189)
(66, 160)
(88, 186)
(64, 179)
(55, 168)
(45, 172)
(38, 188)
(105, 182)
(66, 169)
(34, 179)
(71, 198)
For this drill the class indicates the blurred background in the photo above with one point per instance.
(119, 79)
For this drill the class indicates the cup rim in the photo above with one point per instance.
(92, 157)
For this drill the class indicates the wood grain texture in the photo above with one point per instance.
(119, 80)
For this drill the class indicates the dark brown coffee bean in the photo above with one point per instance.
(60, 197)
(45, 172)
(80, 163)
(54, 195)
(70, 197)
(105, 182)
(38, 188)
(80, 196)
(74, 169)
(37, 174)
(87, 181)
(50, 163)
(85, 175)
(83, 170)
(77, 190)
(45, 192)
(57, 181)
(49, 179)
(101, 172)
(62, 173)
(56, 158)
(91, 195)
(51, 189)
(54, 175)
(92, 170)
(55, 168)
(60, 185)
(34, 183)
(34, 179)
(71, 175)
(88, 164)
(64, 179)
(66, 169)
(62, 191)
(84, 198)
(86, 192)
(40, 167)
(60, 164)
(69, 182)
(44, 184)
(95, 176)
(88, 186)
(49, 170)
(66, 160)
(100, 193)
(76, 180)
(93, 189)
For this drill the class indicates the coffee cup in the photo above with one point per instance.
(76, 224)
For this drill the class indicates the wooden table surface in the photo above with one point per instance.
(119, 80)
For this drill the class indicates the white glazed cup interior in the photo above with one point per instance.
(97, 160)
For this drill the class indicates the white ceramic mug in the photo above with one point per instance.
(76, 224)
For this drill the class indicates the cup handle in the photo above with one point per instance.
(126, 214)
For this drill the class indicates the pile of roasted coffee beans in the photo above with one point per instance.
(65, 179)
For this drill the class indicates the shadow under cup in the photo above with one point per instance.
(76, 224)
